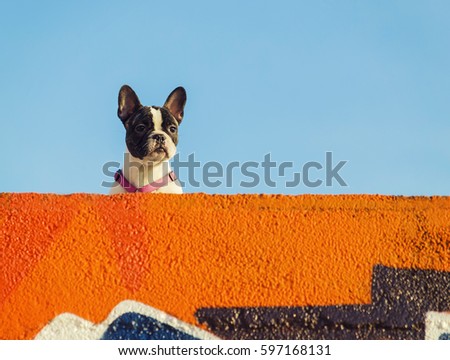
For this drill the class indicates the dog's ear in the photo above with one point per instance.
(128, 103)
(175, 103)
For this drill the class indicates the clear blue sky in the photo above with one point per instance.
(367, 80)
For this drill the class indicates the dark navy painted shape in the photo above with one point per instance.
(444, 336)
(134, 326)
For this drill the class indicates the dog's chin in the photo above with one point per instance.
(158, 155)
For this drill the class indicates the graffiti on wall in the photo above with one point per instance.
(406, 304)
(231, 267)
(129, 320)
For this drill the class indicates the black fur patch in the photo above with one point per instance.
(136, 135)
(168, 124)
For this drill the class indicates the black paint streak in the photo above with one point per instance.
(400, 300)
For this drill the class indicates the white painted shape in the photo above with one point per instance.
(436, 324)
(68, 326)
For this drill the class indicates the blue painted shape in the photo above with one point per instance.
(444, 336)
(134, 326)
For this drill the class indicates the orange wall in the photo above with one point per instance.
(86, 253)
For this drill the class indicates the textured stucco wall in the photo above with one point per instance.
(241, 266)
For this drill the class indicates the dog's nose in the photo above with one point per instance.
(158, 138)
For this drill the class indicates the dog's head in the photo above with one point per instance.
(151, 131)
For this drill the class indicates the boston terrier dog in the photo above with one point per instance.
(151, 140)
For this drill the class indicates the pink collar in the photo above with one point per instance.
(147, 188)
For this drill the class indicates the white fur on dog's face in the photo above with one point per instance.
(159, 151)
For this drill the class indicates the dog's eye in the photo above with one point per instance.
(172, 129)
(140, 128)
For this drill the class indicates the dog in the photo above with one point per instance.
(151, 141)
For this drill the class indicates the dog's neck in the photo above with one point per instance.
(142, 172)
